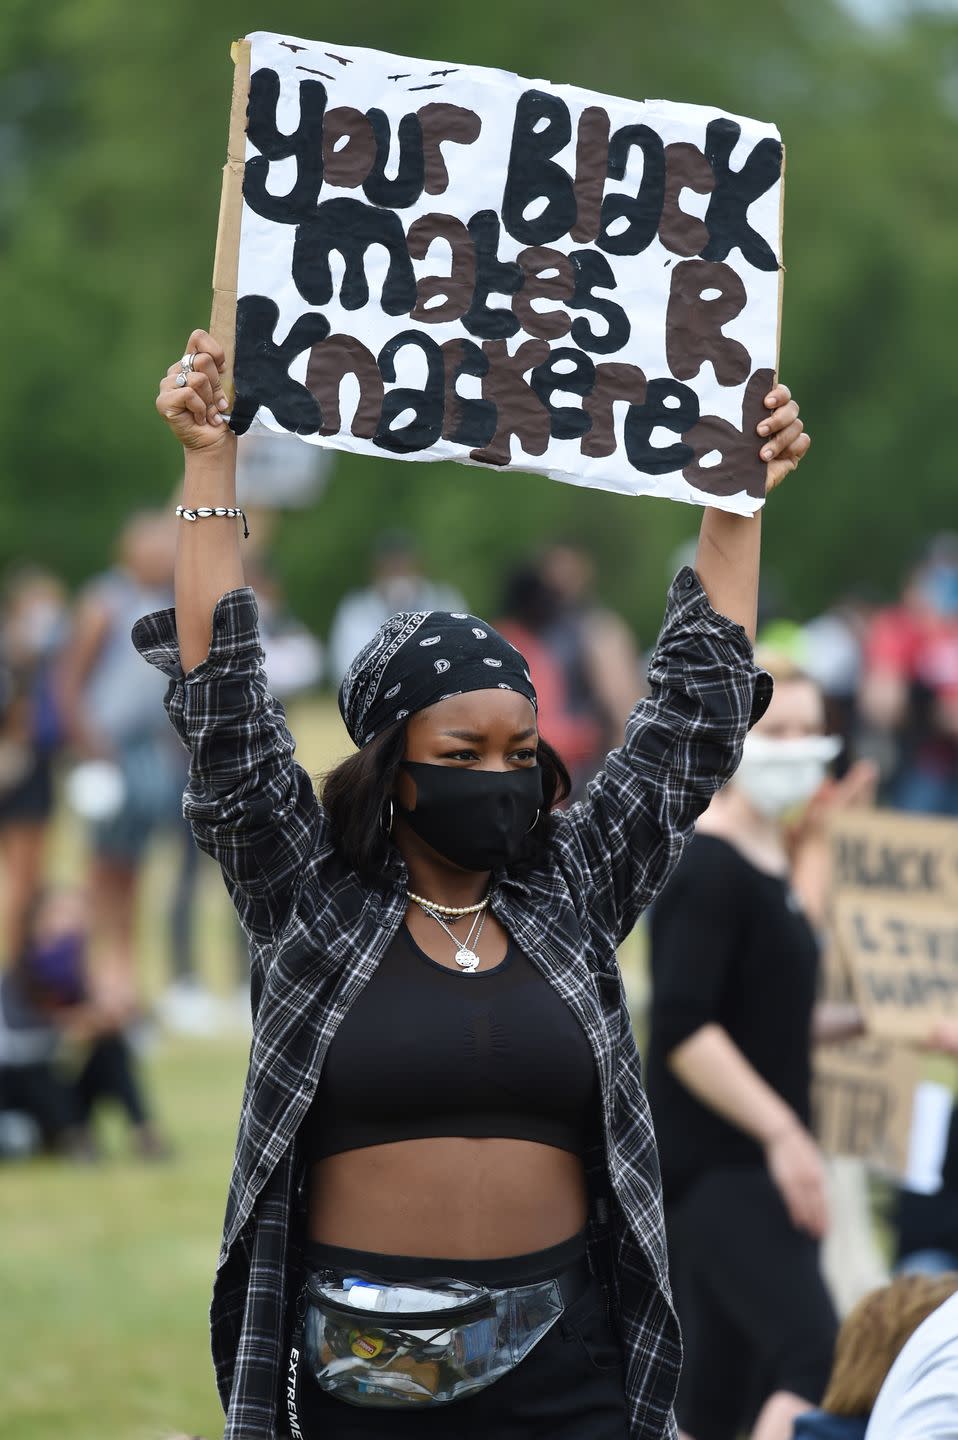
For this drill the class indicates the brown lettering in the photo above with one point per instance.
(519, 411)
(591, 162)
(444, 122)
(535, 259)
(329, 361)
(613, 381)
(693, 326)
(685, 168)
(349, 165)
(740, 467)
(457, 287)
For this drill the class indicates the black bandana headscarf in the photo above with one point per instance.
(414, 660)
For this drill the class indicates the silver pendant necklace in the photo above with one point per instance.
(466, 957)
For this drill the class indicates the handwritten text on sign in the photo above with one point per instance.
(446, 262)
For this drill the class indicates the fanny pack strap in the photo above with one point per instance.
(293, 1377)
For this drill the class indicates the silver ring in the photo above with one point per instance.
(180, 379)
(186, 364)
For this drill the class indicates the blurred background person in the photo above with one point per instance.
(594, 646)
(63, 1047)
(869, 1343)
(113, 711)
(910, 686)
(918, 1399)
(832, 651)
(33, 623)
(398, 582)
(734, 974)
(532, 617)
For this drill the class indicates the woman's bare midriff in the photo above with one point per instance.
(451, 1197)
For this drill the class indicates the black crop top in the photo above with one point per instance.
(430, 1051)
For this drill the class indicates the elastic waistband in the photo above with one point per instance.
(569, 1255)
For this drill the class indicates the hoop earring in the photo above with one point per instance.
(387, 829)
(534, 823)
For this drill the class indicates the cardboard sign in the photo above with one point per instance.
(883, 852)
(437, 261)
(903, 957)
(862, 1101)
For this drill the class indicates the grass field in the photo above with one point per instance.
(105, 1271)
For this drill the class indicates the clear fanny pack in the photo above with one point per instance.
(385, 1344)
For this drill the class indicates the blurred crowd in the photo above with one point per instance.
(82, 726)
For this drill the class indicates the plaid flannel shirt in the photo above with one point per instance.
(316, 936)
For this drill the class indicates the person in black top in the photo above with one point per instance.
(438, 844)
(734, 963)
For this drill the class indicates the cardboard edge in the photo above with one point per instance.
(781, 266)
(226, 255)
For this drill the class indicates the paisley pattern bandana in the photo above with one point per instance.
(416, 659)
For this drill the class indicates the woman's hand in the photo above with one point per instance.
(795, 1164)
(786, 439)
(194, 411)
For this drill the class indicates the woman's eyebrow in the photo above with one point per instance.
(477, 739)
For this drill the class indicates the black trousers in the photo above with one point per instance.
(755, 1314)
(569, 1387)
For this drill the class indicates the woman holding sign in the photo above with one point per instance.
(446, 1188)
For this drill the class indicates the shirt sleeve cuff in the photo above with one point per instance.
(234, 627)
(688, 611)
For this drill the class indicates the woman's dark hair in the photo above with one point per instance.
(357, 792)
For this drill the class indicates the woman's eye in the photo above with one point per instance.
(526, 756)
(460, 755)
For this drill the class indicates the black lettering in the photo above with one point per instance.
(493, 276)
(427, 404)
(568, 422)
(466, 421)
(644, 210)
(407, 187)
(261, 371)
(350, 227)
(726, 218)
(305, 145)
(591, 270)
(533, 175)
(641, 420)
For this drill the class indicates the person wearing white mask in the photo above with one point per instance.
(734, 968)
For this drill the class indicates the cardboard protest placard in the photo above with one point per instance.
(884, 852)
(438, 261)
(903, 957)
(889, 872)
(863, 1090)
(862, 1101)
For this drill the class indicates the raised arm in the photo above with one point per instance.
(727, 559)
(251, 807)
(684, 741)
(208, 559)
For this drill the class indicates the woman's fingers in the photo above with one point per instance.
(777, 444)
(202, 342)
(782, 415)
(205, 366)
(778, 395)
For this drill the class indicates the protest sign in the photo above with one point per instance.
(894, 916)
(883, 852)
(862, 1101)
(903, 957)
(863, 1089)
(437, 261)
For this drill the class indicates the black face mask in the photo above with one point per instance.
(478, 819)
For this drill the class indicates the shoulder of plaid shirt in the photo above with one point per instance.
(316, 936)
